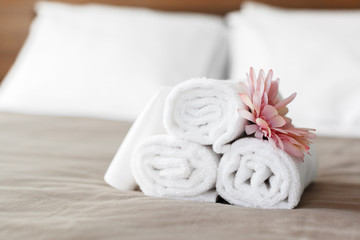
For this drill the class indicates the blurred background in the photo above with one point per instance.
(80, 58)
(16, 16)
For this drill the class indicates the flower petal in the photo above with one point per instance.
(251, 128)
(246, 100)
(261, 83)
(257, 104)
(269, 111)
(268, 81)
(292, 150)
(283, 111)
(252, 78)
(285, 102)
(274, 90)
(247, 115)
(259, 134)
(277, 121)
(279, 141)
(280, 130)
(264, 127)
(262, 123)
(244, 88)
(265, 99)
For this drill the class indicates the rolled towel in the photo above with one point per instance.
(149, 123)
(255, 174)
(205, 111)
(166, 166)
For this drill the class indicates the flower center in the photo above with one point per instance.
(264, 127)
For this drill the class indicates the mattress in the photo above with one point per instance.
(52, 187)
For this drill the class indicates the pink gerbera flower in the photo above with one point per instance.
(266, 115)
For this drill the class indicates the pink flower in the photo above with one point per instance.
(266, 115)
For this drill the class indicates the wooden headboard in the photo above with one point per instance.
(16, 15)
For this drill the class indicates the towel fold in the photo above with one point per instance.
(167, 166)
(148, 123)
(255, 174)
(205, 111)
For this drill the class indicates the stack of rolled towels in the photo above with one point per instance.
(206, 153)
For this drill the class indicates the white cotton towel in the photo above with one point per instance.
(167, 166)
(149, 123)
(205, 111)
(255, 174)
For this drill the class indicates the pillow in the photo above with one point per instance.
(102, 61)
(314, 53)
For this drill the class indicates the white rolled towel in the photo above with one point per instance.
(205, 111)
(255, 174)
(149, 123)
(167, 166)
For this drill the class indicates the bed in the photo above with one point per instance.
(52, 169)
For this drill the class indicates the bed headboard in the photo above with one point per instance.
(16, 15)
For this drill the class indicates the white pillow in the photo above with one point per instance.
(102, 61)
(314, 53)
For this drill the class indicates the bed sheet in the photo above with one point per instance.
(52, 187)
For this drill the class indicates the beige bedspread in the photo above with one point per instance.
(51, 187)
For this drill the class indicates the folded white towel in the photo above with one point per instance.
(166, 166)
(255, 174)
(205, 111)
(148, 123)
